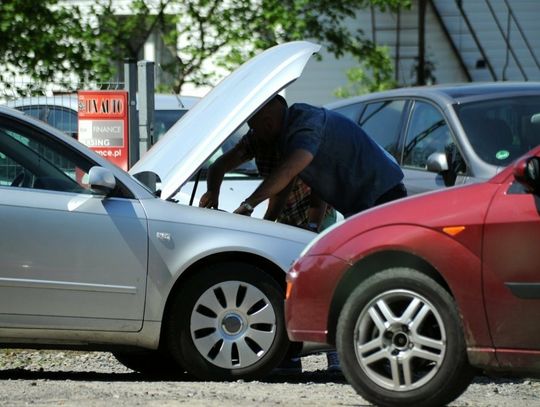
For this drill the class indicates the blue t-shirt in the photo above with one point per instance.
(349, 170)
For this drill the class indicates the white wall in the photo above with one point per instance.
(321, 78)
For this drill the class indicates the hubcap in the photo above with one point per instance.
(233, 324)
(400, 340)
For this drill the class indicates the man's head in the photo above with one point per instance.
(268, 121)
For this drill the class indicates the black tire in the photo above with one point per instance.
(152, 363)
(426, 348)
(227, 323)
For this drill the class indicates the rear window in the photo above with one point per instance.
(165, 119)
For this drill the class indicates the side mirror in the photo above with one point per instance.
(101, 180)
(527, 173)
(437, 162)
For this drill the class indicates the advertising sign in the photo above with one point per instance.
(103, 124)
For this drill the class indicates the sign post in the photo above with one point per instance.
(103, 124)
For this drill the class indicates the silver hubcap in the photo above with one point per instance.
(400, 340)
(233, 325)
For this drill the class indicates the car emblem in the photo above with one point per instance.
(166, 237)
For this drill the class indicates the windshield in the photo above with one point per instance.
(501, 130)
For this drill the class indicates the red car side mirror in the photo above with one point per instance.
(527, 173)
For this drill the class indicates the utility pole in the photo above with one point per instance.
(420, 69)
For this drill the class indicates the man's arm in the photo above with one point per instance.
(277, 180)
(216, 171)
(277, 202)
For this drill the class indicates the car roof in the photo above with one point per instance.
(450, 93)
(67, 101)
(174, 102)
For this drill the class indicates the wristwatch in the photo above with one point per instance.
(247, 206)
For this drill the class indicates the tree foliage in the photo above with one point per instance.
(374, 73)
(203, 38)
(43, 40)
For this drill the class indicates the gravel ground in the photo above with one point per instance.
(50, 378)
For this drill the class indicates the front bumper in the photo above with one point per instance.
(311, 285)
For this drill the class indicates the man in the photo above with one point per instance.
(295, 205)
(329, 152)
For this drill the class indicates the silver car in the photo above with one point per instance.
(447, 135)
(90, 258)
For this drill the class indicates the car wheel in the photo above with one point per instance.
(149, 362)
(400, 341)
(227, 323)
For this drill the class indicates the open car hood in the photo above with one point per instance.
(192, 140)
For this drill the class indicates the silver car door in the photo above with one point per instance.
(69, 259)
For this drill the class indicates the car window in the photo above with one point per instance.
(382, 122)
(427, 133)
(351, 111)
(62, 118)
(30, 159)
(165, 119)
(503, 129)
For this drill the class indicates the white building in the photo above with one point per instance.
(465, 40)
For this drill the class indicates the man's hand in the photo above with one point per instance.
(281, 177)
(244, 209)
(209, 199)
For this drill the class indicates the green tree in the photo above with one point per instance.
(204, 38)
(44, 41)
(226, 33)
(374, 73)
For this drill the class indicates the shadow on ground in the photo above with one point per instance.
(294, 378)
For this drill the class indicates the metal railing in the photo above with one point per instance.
(522, 33)
(455, 49)
(506, 37)
(512, 24)
(472, 32)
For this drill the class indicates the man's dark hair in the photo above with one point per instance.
(276, 104)
(278, 99)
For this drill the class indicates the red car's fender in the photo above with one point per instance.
(452, 260)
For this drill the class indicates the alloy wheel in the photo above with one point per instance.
(400, 340)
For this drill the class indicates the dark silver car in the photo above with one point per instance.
(90, 258)
(450, 134)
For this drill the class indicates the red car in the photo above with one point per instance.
(419, 293)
